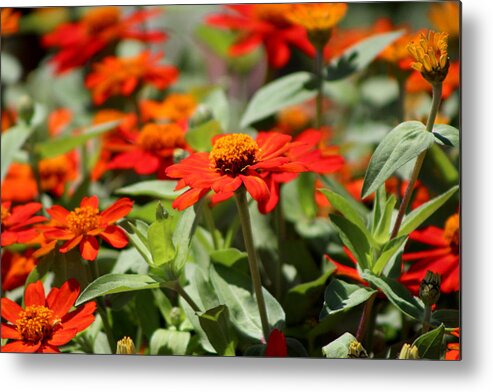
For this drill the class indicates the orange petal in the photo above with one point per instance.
(90, 202)
(65, 297)
(115, 236)
(117, 210)
(10, 310)
(35, 294)
(62, 336)
(70, 244)
(89, 247)
(58, 213)
(20, 347)
(256, 187)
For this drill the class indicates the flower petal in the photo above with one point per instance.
(276, 345)
(9, 332)
(114, 236)
(80, 318)
(70, 244)
(117, 210)
(257, 187)
(62, 336)
(20, 347)
(89, 247)
(58, 213)
(91, 201)
(10, 310)
(65, 298)
(189, 198)
(35, 294)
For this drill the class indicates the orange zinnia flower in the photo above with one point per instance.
(121, 76)
(84, 225)
(263, 24)
(416, 84)
(80, 41)
(10, 21)
(235, 160)
(17, 224)
(445, 17)
(45, 323)
(175, 108)
(443, 259)
(15, 268)
(151, 150)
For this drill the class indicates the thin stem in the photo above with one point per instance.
(281, 236)
(177, 287)
(241, 202)
(209, 221)
(233, 228)
(426, 319)
(365, 317)
(435, 104)
(319, 62)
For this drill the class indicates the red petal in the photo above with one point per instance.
(70, 244)
(62, 336)
(90, 202)
(20, 347)
(10, 310)
(58, 213)
(276, 345)
(114, 236)
(89, 247)
(80, 318)
(65, 298)
(47, 349)
(35, 294)
(117, 210)
(9, 332)
(257, 187)
(189, 198)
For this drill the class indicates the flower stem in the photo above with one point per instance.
(426, 319)
(365, 318)
(241, 202)
(319, 62)
(177, 287)
(435, 104)
(209, 221)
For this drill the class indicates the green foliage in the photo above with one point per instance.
(216, 324)
(169, 342)
(404, 143)
(12, 141)
(341, 297)
(430, 344)
(446, 135)
(154, 188)
(200, 137)
(339, 348)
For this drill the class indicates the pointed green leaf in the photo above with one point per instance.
(169, 342)
(215, 322)
(430, 344)
(158, 189)
(12, 141)
(200, 137)
(446, 135)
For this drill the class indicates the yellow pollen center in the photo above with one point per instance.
(233, 153)
(451, 232)
(429, 52)
(83, 219)
(157, 137)
(36, 323)
(317, 16)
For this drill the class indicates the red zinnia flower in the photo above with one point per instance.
(17, 224)
(121, 76)
(15, 268)
(263, 24)
(235, 160)
(45, 323)
(80, 41)
(83, 225)
(9, 21)
(276, 345)
(443, 259)
(150, 150)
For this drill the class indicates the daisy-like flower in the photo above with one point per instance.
(46, 322)
(442, 259)
(17, 222)
(79, 42)
(151, 150)
(16, 267)
(263, 24)
(84, 225)
(122, 76)
(235, 160)
(175, 108)
(318, 19)
(430, 55)
(10, 21)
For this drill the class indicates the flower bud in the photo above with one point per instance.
(161, 212)
(429, 289)
(409, 352)
(179, 154)
(356, 350)
(202, 115)
(125, 346)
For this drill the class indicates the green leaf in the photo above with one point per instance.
(446, 135)
(228, 257)
(360, 55)
(414, 219)
(397, 294)
(154, 188)
(145, 310)
(430, 344)
(117, 283)
(449, 317)
(200, 137)
(285, 91)
(233, 289)
(341, 297)
(404, 143)
(390, 249)
(12, 141)
(185, 227)
(354, 238)
(218, 103)
(159, 238)
(339, 348)
(11, 68)
(381, 233)
(169, 342)
(61, 145)
(215, 322)
(335, 186)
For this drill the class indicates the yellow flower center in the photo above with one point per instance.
(125, 346)
(233, 153)
(36, 323)
(99, 18)
(317, 16)
(274, 13)
(157, 137)
(430, 53)
(83, 219)
(451, 232)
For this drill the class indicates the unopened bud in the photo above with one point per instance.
(409, 352)
(175, 316)
(429, 289)
(161, 212)
(26, 108)
(179, 154)
(125, 346)
(202, 115)
(356, 350)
